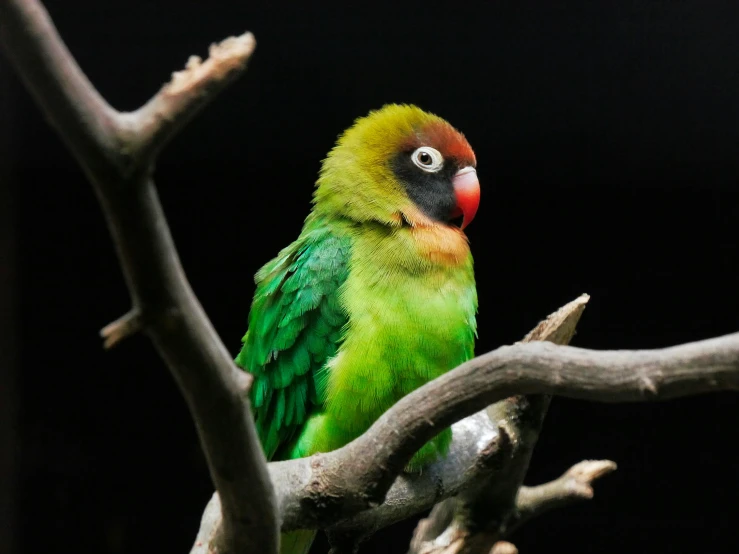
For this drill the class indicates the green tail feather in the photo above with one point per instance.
(297, 542)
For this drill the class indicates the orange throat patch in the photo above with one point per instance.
(438, 243)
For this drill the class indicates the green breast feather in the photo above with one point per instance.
(295, 326)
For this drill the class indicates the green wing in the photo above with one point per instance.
(295, 327)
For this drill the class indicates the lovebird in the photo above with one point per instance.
(375, 298)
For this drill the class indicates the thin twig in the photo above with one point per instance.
(117, 151)
(128, 324)
(575, 485)
(157, 121)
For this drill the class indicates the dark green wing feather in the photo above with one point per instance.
(295, 327)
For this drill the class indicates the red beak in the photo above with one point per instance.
(467, 193)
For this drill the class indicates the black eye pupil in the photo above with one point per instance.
(424, 158)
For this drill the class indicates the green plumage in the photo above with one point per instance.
(294, 328)
(373, 300)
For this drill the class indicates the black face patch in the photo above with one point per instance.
(433, 193)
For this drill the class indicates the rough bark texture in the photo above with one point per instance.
(486, 504)
(327, 489)
(575, 485)
(602, 376)
(117, 152)
(348, 491)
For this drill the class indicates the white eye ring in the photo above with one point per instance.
(427, 158)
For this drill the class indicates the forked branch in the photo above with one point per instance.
(532, 368)
(330, 489)
(117, 152)
(485, 504)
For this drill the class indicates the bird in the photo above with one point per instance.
(375, 297)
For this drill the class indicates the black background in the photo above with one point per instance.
(607, 139)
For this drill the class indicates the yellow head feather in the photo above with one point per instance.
(356, 179)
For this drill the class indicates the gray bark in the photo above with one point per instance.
(117, 153)
(358, 488)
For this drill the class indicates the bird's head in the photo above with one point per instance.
(400, 166)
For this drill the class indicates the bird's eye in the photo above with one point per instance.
(427, 158)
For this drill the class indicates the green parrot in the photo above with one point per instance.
(376, 296)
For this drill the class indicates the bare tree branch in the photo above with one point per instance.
(575, 485)
(128, 324)
(331, 486)
(605, 376)
(488, 502)
(522, 418)
(155, 123)
(455, 540)
(562, 323)
(543, 368)
(117, 152)
(504, 547)
(330, 489)
(479, 448)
